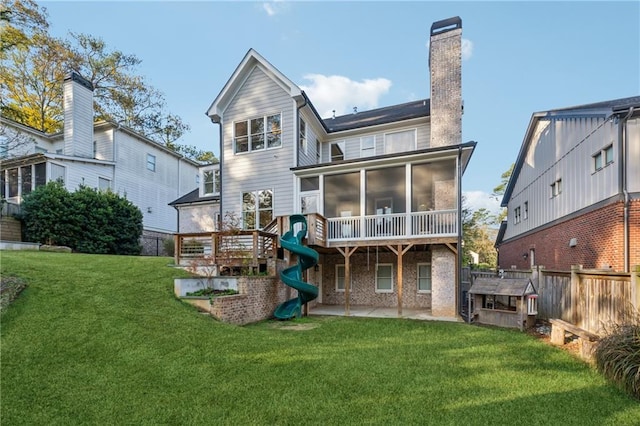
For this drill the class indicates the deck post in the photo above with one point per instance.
(399, 252)
(346, 252)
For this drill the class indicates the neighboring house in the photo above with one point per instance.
(381, 188)
(100, 155)
(574, 194)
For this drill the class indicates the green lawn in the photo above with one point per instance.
(102, 340)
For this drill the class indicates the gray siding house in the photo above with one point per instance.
(381, 189)
(100, 155)
(574, 195)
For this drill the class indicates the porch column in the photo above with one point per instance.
(347, 252)
(399, 252)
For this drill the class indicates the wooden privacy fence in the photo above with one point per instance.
(590, 299)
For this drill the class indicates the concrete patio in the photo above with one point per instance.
(376, 312)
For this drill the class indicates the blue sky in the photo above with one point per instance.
(519, 58)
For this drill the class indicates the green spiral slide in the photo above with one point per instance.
(292, 276)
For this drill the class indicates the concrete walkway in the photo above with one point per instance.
(373, 312)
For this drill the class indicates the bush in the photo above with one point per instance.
(617, 356)
(86, 220)
(169, 246)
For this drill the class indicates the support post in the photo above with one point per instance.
(347, 252)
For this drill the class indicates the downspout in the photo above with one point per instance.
(459, 256)
(622, 138)
(297, 127)
(220, 168)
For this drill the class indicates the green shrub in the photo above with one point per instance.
(617, 356)
(87, 220)
(169, 246)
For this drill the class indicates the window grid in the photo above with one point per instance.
(424, 277)
(257, 134)
(384, 278)
(151, 162)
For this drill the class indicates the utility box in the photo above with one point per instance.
(505, 302)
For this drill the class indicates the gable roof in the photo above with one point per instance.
(604, 108)
(251, 60)
(503, 286)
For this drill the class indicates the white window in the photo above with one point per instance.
(517, 214)
(384, 278)
(556, 188)
(151, 162)
(257, 209)
(303, 136)
(532, 305)
(337, 151)
(400, 141)
(603, 158)
(526, 210)
(104, 184)
(424, 277)
(210, 182)
(367, 146)
(318, 152)
(257, 134)
(340, 279)
(58, 173)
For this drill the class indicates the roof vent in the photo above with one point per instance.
(355, 110)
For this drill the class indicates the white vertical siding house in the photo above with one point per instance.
(100, 155)
(574, 195)
(380, 188)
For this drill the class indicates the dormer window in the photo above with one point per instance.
(210, 182)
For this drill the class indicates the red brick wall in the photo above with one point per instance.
(258, 299)
(600, 242)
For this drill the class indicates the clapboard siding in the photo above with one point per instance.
(265, 169)
(147, 189)
(563, 149)
(351, 139)
(80, 173)
(104, 144)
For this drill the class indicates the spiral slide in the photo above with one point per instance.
(292, 276)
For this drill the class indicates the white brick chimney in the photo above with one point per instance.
(445, 64)
(78, 116)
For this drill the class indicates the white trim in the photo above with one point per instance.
(418, 277)
(378, 265)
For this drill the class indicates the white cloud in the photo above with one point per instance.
(274, 7)
(268, 7)
(467, 49)
(342, 94)
(476, 200)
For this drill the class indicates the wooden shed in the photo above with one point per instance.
(505, 302)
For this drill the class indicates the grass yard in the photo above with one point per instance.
(102, 340)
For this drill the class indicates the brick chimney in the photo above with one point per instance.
(78, 116)
(445, 64)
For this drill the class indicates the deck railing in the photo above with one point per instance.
(226, 248)
(441, 223)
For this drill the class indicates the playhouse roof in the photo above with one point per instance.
(503, 286)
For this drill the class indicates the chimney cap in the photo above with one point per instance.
(75, 76)
(445, 25)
